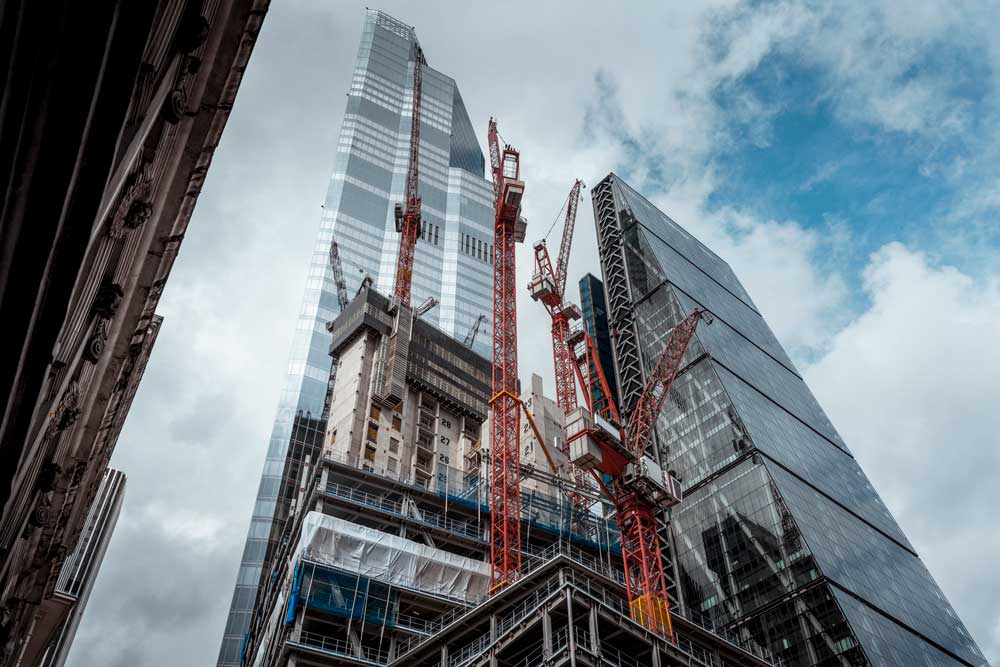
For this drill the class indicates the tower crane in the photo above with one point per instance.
(636, 484)
(343, 299)
(549, 287)
(338, 276)
(408, 219)
(470, 337)
(505, 416)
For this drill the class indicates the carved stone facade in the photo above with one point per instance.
(114, 113)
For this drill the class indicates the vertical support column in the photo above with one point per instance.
(444, 655)
(570, 629)
(595, 637)
(546, 634)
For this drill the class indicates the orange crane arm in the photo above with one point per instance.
(562, 263)
(408, 221)
(338, 276)
(647, 408)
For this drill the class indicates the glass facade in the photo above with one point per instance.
(594, 309)
(368, 179)
(780, 537)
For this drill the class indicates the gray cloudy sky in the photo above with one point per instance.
(846, 163)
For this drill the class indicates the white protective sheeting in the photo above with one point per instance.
(277, 616)
(391, 559)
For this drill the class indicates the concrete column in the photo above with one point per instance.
(444, 655)
(493, 627)
(656, 656)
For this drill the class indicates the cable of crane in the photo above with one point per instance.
(558, 215)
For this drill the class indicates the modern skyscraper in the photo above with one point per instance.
(780, 536)
(79, 572)
(368, 178)
(595, 319)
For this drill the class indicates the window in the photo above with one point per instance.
(391, 465)
(393, 445)
(373, 433)
(397, 423)
(376, 412)
(479, 249)
(436, 230)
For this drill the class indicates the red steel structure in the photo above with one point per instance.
(549, 287)
(408, 221)
(632, 480)
(505, 415)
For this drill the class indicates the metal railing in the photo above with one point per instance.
(341, 648)
(464, 528)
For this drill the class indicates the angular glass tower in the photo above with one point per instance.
(780, 536)
(594, 309)
(369, 177)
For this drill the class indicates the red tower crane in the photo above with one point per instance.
(408, 220)
(549, 287)
(637, 486)
(505, 415)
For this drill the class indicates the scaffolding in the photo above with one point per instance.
(378, 572)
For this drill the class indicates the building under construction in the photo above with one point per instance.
(704, 512)
(384, 554)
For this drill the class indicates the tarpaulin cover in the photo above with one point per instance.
(391, 559)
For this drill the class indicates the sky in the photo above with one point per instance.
(845, 160)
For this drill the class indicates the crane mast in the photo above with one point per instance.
(549, 287)
(338, 276)
(505, 483)
(636, 485)
(470, 338)
(408, 220)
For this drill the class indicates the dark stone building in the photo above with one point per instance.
(110, 115)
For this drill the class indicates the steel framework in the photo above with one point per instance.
(505, 421)
(549, 287)
(408, 221)
(338, 275)
(626, 477)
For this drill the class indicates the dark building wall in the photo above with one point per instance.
(780, 536)
(594, 307)
(79, 573)
(110, 115)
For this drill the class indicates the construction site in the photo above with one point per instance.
(428, 528)
(703, 512)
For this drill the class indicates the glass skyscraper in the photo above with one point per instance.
(594, 309)
(780, 536)
(369, 178)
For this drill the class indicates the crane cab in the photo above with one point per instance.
(646, 477)
(541, 287)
